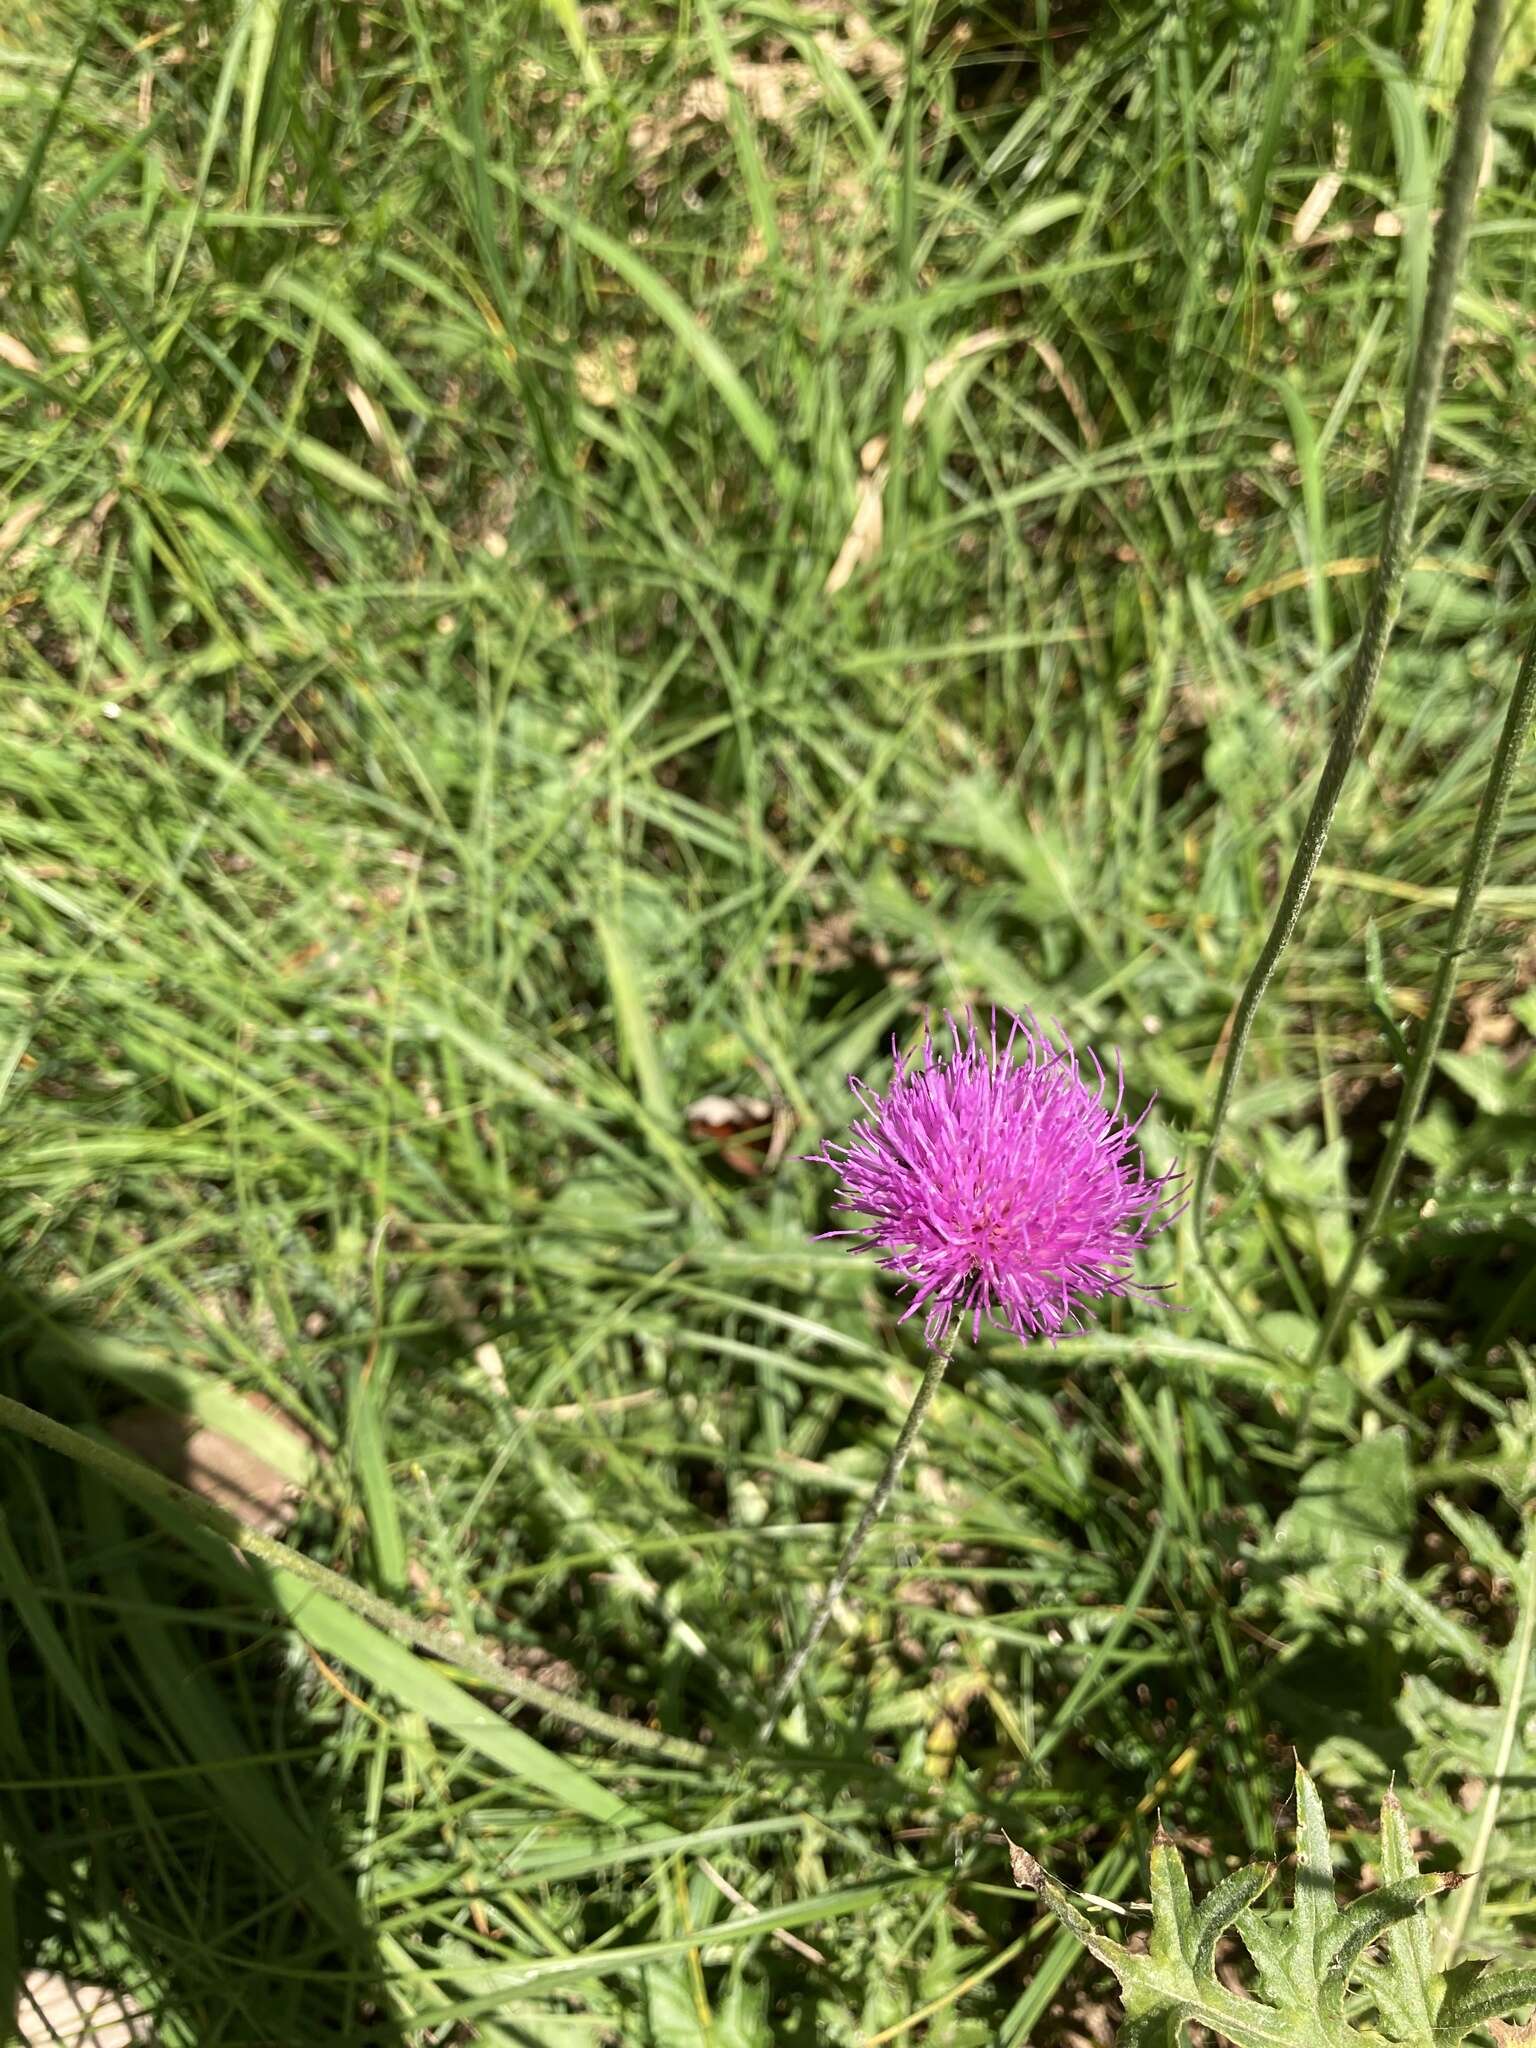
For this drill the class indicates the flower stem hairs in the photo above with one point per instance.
(999, 1184)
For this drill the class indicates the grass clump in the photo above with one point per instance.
(555, 563)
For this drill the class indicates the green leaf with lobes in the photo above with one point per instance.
(1308, 1956)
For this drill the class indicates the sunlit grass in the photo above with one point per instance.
(432, 759)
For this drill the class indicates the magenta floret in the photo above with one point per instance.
(1000, 1187)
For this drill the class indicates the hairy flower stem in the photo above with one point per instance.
(1398, 515)
(874, 1508)
(1518, 720)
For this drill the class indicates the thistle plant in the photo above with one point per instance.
(1326, 1975)
(1000, 1185)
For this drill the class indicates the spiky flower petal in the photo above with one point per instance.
(999, 1182)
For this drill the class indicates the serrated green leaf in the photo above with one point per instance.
(1316, 1908)
(1266, 1944)
(1351, 1519)
(1460, 1978)
(1306, 1959)
(1403, 1981)
(1453, 1636)
(1365, 1920)
(1482, 1544)
(1172, 1907)
(1484, 1075)
(1219, 1910)
(1246, 2023)
(1076, 1922)
(1160, 2027)
(1492, 1997)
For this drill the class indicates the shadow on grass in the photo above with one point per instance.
(173, 1824)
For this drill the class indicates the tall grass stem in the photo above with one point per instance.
(1398, 516)
(1518, 720)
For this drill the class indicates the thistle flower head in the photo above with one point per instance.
(999, 1182)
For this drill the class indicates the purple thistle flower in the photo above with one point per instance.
(1000, 1187)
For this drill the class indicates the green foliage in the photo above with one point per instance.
(431, 758)
(1318, 1983)
(1467, 1715)
(1345, 1537)
(1485, 1158)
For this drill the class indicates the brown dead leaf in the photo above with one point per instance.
(543, 1667)
(942, 367)
(1509, 2036)
(376, 424)
(1488, 1022)
(865, 533)
(866, 530)
(1314, 208)
(945, 1596)
(834, 941)
(1026, 1871)
(1067, 385)
(829, 940)
(18, 355)
(775, 93)
(744, 1130)
(229, 1474)
(1079, 2020)
(52, 2009)
(13, 528)
(705, 99)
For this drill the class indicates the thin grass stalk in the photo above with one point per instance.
(1398, 516)
(1517, 1662)
(908, 365)
(874, 1508)
(129, 1476)
(1518, 720)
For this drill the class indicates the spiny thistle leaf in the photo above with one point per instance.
(1315, 1907)
(1364, 1922)
(1262, 1939)
(1220, 1909)
(1490, 1998)
(1403, 1984)
(1152, 2030)
(1308, 1960)
(1172, 1907)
